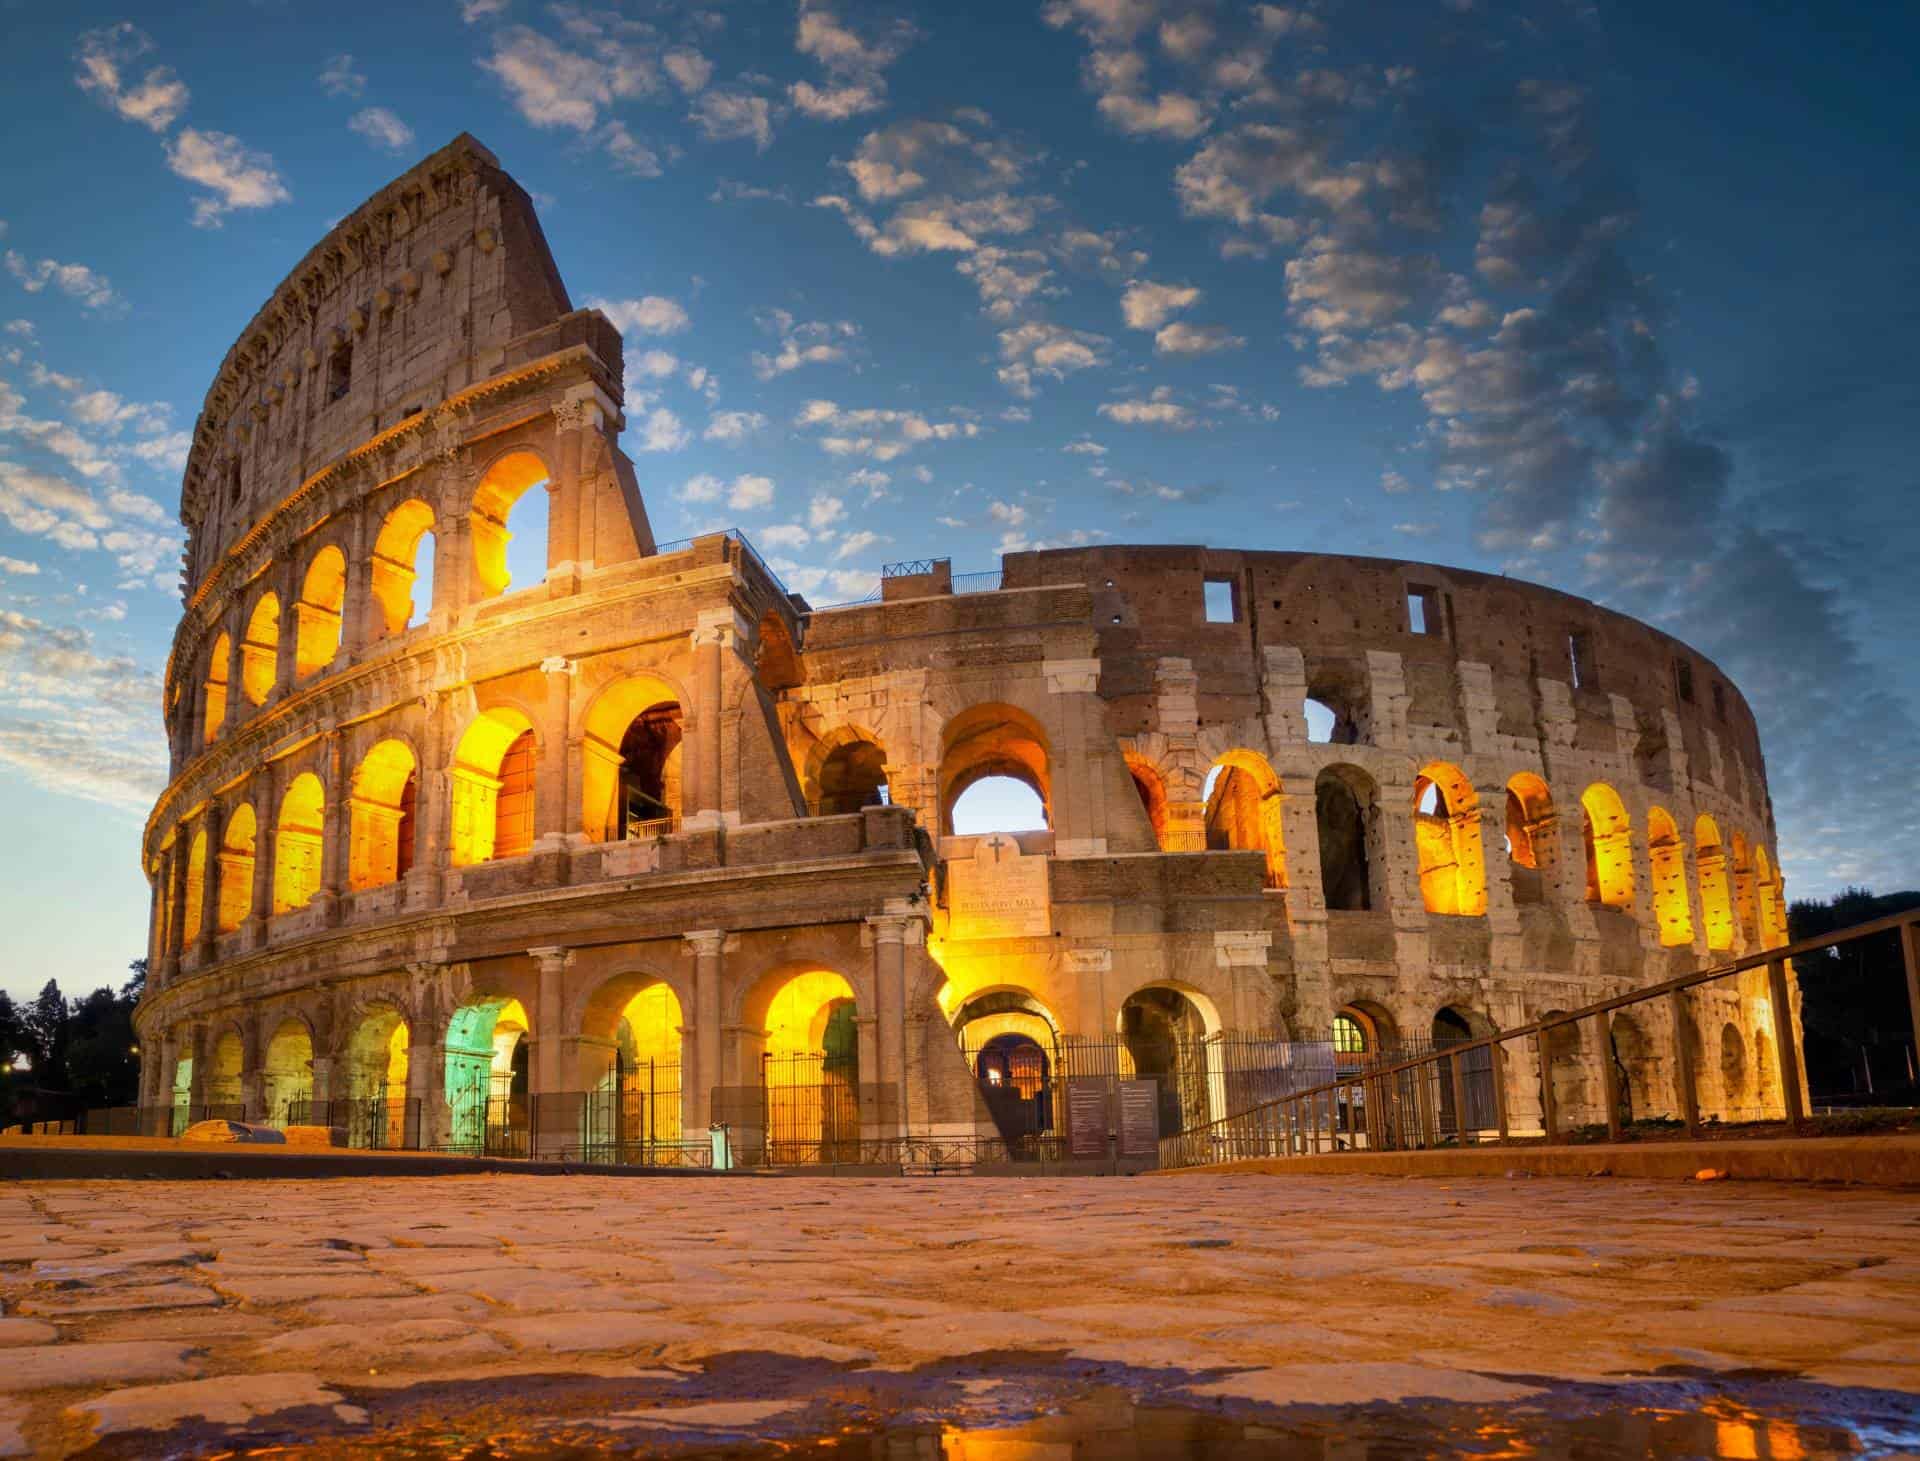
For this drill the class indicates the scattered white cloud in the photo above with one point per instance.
(855, 64)
(880, 434)
(553, 85)
(654, 364)
(855, 544)
(20, 567)
(688, 69)
(1181, 338)
(783, 535)
(732, 114)
(1146, 305)
(661, 430)
(76, 281)
(382, 128)
(1159, 412)
(473, 10)
(876, 483)
(750, 493)
(651, 314)
(1009, 513)
(824, 511)
(733, 426)
(155, 102)
(811, 342)
(338, 78)
(1085, 448)
(1037, 348)
(235, 175)
(630, 155)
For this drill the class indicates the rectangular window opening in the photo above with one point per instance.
(1580, 660)
(1683, 681)
(1220, 601)
(1719, 700)
(1424, 615)
(339, 373)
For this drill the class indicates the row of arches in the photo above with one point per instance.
(507, 525)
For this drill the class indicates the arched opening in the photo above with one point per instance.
(222, 1094)
(1608, 838)
(631, 756)
(182, 1096)
(1744, 898)
(378, 1054)
(1344, 799)
(509, 524)
(380, 812)
(488, 1048)
(1243, 806)
(1529, 813)
(1454, 1026)
(1005, 747)
(1566, 1068)
(1668, 863)
(402, 568)
(1446, 825)
(196, 887)
(629, 1065)
(287, 1079)
(219, 659)
(775, 660)
(317, 615)
(237, 848)
(809, 1064)
(1716, 902)
(853, 775)
(1768, 1103)
(1012, 1047)
(1635, 1068)
(1733, 1073)
(1323, 722)
(1151, 788)
(297, 844)
(260, 650)
(492, 785)
(1165, 1032)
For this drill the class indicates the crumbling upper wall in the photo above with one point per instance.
(439, 280)
(1149, 603)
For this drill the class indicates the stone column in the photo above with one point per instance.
(286, 652)
(547, 1075)
(572, 419)
(555, 813)
(253, 1075)
(873, 1127)
(177, 901)
(889, 934)
(237, 704)
(427, 1055)
(266, 812)
(337, 821)
(700, 1074)
(433, 817)
(1076, 805)
(716, 632)
(213, 823)
(356, 594)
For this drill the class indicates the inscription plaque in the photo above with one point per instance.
(998, 893)
(1086, 1117)
(1140, 1118)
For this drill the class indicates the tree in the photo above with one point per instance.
(101, 1066)
(13, 1033)
(1854, 997)
(46, 1025)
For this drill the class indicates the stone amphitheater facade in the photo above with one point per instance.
(653, 810)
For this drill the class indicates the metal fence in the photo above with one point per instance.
(1464, 1092)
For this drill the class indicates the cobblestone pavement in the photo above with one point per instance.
(269, 1307)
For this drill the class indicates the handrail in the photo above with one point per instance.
(1767, 958)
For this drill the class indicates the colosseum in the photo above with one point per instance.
(584, 864)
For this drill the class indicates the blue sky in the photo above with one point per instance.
(1618, 298)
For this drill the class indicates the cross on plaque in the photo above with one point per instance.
(998, 841)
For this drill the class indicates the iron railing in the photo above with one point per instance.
(1396, 1103)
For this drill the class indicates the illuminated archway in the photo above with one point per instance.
(489, 1045)
(1243, 811)
(398, 561)
(297, 843)
(1608, 837)
(222, 1091)
(775, 660)
(1716, 902)
(1529, 817)
(505, 510)
(190, 922)
(287, 1077)
(381, 815)
(630, 762)
(630, 1057)
(219, 660)
(809, 1062)
(1636, 1068)
(317, 615)
(238, 845)
(1152, 789)
(1457, 1025)
(1671, 908)
(493, 769)
(1446, 825)
(1166, 1031)
(994, 741)
(260, 650)
(1733, 1072)
(378, 1061)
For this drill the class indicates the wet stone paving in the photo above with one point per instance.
(1184, 1315)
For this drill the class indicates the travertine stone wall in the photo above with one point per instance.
(1093, 675)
